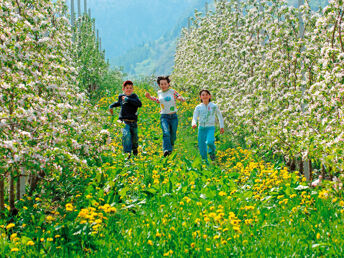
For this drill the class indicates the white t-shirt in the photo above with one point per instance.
(206, 115)
(167, 101)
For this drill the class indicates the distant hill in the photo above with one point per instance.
(141, 36)
(157, 57)
(124, 25)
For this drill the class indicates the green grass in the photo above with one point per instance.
(178, 206)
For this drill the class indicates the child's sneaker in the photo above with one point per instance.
(212, 156)
(166, 153)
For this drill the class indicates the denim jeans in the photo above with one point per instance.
(169, 125)
(206, 140)
(130, 138)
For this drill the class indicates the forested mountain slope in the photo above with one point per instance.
(156, 56)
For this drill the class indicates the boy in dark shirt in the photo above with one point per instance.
(129, 103)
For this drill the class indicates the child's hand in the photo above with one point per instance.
(222, 130)
(180, 98)
(147, 95)
(123, 98)
(194, 126)
(111, 111)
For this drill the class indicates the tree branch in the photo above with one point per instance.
(334, 29)
(340, 30)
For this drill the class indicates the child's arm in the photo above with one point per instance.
(194, 118)
(148, 96)
(178, 96)
(219, 116)
(115, 104)
(133, 100)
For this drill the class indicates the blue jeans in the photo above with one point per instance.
(130, 138)
(206, 141)
(169, 125)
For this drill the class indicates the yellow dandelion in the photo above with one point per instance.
(11, 225)
(222, 193)
(30, 243)
(69, 207)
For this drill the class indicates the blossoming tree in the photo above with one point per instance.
(46, 122)
(278, 90)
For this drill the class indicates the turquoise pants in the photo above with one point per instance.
(206, 141)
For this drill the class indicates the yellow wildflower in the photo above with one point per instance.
(318, 235)
(11, 225)
(222, 193)
(69, 207)
(31, 243)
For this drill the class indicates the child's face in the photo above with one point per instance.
(128, 89)
(164, 85)
(205, 97)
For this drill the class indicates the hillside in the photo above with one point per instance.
(156, 57)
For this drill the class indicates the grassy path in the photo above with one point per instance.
(178, 206)
(236, 206)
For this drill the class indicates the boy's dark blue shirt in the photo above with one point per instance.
(128, 107)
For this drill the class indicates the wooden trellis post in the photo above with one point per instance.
(85, 7)
(21, 184)
(97, 35)
(72, 17)
(79, 9)
(306, 164)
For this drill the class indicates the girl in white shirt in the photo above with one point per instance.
(169, 120)
(205, 113)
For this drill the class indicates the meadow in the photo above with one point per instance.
(239, 205)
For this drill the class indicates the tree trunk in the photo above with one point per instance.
(11, 193)
(293, 165)
(18, 187)
(323, 171)
(33, 183)
(2, 193)
(301, 166)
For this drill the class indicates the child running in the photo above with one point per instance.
(206, 127)
(169, 120)
(129, 103)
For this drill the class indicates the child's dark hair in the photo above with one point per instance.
(160, 78)
(127, 83)
(200, 93)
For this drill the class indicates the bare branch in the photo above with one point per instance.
(340, 30)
